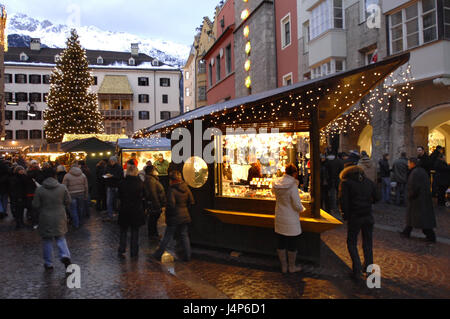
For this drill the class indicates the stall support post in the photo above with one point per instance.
(315, 162)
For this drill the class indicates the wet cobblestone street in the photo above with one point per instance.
(410, 268)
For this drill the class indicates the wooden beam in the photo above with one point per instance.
(315, 162)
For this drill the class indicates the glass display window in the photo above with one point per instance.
(142, 157)
(248, 164)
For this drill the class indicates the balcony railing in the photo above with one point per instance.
(117, 114)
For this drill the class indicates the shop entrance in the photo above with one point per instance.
(437, 120)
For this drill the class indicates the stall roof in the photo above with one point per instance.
(290, 105)
(78, 146)
(153, 143)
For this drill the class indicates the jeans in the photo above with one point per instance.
(400, 194)
(168, 236)
(385, 189)
(365, 226)
(3, 203)
(111, 195)
(48, 249)
(76, 209)
(134, 242)
(153, 222)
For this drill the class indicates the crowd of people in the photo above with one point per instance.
(49, 197)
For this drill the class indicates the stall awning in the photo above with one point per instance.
(148, 144)
(115, 85)
(291, 105)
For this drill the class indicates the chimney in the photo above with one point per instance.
(134, 49)
(35, 44)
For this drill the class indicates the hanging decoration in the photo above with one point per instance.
(247, 49)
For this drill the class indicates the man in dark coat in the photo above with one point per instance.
(442, 178)
(155, 198)
(34, 175)
(385, 173)
(114, 175)
(335, 167)
(400, 176)
(420, 211)
(179, 199)
(17, 194)
(424, 160)
(131, 213)
(357, 193)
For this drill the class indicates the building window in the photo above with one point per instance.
(21, 97)
(8, 78)
(143, 82)
(35, 134)
(99, 60)
(165, 99)
(114, 128)
(144, 115)
(35, 97)
(202, 67)
(286, 31)
(95, 80)
(447, 19)
(21, 115)
(21, 78)
(164, 82)
(144, 98)
(327, 15)
(8, 97)
(218, 70)
(35, 79)
(23, 57)
(165, 115)
(9, 115)
(9, 135)
(330, 67)
(21, 135)
(287, 79)
(46, 79)
(37, 116)
(202, 93)
(188, 92)
(306, 37)
(210, 75)
(131, 61)
(187, 75)
(413, 26)
(366, 8)
(228, 60)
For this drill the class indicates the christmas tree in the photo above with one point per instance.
(72, 108)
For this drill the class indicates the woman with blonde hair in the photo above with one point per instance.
(131, 213)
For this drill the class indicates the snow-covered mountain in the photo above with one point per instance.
(21, 28)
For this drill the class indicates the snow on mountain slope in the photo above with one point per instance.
(93, 38)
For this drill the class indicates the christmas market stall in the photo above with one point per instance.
(144, 150)
(230, 153)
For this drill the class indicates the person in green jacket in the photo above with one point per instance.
(162, 166)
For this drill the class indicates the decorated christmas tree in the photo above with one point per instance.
(72, 107)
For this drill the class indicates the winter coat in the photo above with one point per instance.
(60, 176)
(288, 206)
(385, 171)
(324, 178)
(34, 175)
(17, 187)
(425, 163)
(131, 194)
(369, 167)
(154, 193)
(117, 175)
(179, 199)
(420, 211)
(335, 167)
(51, 200)
(76, 182)
(357, 193)
(400, 170)
(442, 176)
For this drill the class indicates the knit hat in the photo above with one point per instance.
(113, 158)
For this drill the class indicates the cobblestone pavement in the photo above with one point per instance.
(410, 269)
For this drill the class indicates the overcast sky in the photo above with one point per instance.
(174, 20)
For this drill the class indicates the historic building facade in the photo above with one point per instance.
(134, 90)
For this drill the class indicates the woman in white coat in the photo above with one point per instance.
(287, 218)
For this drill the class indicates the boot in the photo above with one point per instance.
(283, 260)
(292, 257)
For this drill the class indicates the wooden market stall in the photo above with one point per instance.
(235, 208)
